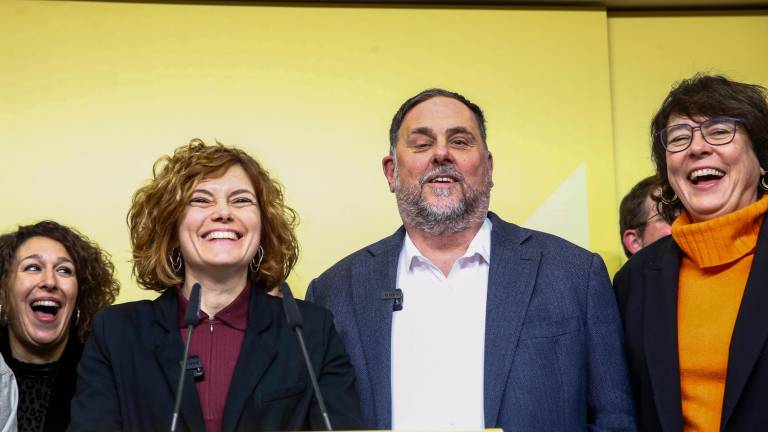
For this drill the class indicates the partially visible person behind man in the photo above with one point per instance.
(639, 219)
(460, 320)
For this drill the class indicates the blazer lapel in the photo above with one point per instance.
(660, 337)
(751, 328)
(511, 277)
(374, 319)
(168, 353)
(256, 355)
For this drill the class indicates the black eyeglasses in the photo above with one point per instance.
(715, 131)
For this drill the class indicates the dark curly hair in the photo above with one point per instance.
(97, 287)
(158, 206)
(710, 96)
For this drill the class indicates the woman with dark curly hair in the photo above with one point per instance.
(53, 281)
(212, 215)
(694, 303)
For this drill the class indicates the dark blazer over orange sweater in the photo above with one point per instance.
(647, 294)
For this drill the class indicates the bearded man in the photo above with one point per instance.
(460, 320)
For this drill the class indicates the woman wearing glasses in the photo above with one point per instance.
(695, 305)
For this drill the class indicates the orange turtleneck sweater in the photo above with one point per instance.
(717, 257)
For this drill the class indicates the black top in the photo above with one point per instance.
(45, 391)
(35, 383)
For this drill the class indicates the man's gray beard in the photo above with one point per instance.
(470, 210)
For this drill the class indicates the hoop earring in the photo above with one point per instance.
(764, 182)
(177, 263)
(668, 201)
(253, 265)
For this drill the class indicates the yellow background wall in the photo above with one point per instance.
(92, 93)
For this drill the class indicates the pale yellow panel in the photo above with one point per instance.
(92, 93)
(650, 53)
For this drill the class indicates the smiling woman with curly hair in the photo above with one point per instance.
(156, 208)
(53, 280)
(212, 215)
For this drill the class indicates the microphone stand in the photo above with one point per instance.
(296, 322)
(191, 318)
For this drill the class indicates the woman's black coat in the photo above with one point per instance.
(647, 294)
(130, 368)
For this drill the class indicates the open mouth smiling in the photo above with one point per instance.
(222, 235)
(45, 309)
(704, 175)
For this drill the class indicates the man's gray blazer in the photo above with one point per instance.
(554, 359)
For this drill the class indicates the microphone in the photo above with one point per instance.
(191, 318)
(397, 296)
(296, 322)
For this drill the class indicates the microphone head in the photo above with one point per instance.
(192, 315)
(290, 307)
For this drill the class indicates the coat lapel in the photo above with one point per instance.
(660, 337)
(168, 353)
(256, 355)
(374, 319)
(511, 277)
(751, 329)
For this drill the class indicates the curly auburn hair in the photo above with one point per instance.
(157, 207)
(709, 96)
(97, 287)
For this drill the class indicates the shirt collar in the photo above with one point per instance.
(234, 314)
(480, 245)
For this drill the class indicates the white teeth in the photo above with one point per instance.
(46, 303)
(443, 179)
(705, 172)
(221, 235)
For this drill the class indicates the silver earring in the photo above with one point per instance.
(77, 316)
(176, 263)
(764, 182)
(667, 201)
(253, 265)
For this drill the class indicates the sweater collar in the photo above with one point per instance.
(723, 239)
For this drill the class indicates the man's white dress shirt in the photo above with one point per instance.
(438, 339)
